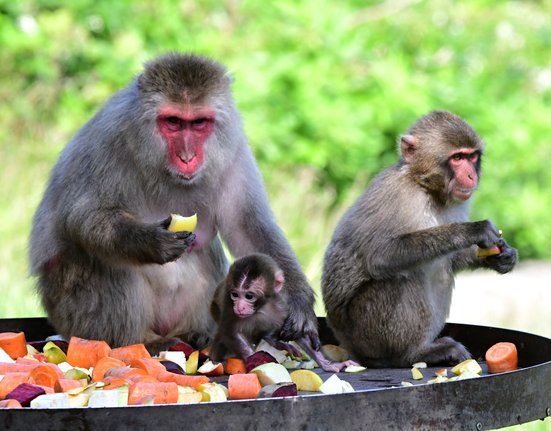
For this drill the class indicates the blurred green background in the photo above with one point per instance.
(324, 87)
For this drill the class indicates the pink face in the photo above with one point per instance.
(463, 162)
(243, 302)
(185, 132)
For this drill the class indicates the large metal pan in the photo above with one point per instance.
(379, 403)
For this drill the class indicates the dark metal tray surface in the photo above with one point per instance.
(379, 403)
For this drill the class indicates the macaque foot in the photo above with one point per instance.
(444, 350)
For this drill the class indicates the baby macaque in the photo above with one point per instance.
(250, 305)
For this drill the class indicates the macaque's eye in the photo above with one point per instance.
(473, 157)
(234, 295)
(200, 123)
(173, 123)
(457, 156)
(249, 296)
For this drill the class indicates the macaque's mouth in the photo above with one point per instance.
(243, 315)
(462, 194)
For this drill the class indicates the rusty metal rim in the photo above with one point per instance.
(489, 402)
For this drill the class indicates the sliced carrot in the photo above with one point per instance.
(43, 375)
(6, 367)
(243, 386)
(165, 392)
(86, 353)
(182, 380)
(124, 372)
(11, 381)
(10, 404)
(64, 385)
(235, 366)
(103, 365)
(152, 366)
(128, 354)
(502, 357)
(132, 380)
(13, 343)
(28, 361)
(114, 383)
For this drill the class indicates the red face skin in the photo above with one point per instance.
(185, 132)
(463, 163)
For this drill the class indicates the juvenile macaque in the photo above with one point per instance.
(389, 269)
(170, 142)
(251, 304)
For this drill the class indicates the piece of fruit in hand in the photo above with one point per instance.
(485, 252)
(180, 223)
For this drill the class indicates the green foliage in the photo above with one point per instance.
(325, 89)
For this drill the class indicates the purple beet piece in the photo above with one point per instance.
(172, 367)
(278, 390)
(258, 358)
(181, 347)
(25, 393)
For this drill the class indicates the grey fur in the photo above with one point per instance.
(107, 268)
(389, 269)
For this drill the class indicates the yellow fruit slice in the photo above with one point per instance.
(180, 223)
(485, 252)
(469, 365)
(306, 380)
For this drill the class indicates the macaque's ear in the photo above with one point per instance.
(278, 281)
(408, 147)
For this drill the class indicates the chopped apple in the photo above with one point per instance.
(438, 379)
(212, 392)
(180, 223)
(442, 372)
(334, 385)
(419, 365)
(335, 353)
(188, 395)
(192, 363)
(211, 369)
(271, 372)
(354, 369)
(416, 374)
(306, 380)
(404, 383)
(291, 363)
(467, 365)
(467, 374)
(53, 353)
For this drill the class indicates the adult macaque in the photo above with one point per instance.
(251, 304)
(170, 142)
(389, 269)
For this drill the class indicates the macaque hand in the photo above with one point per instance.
(486, 234)
(301, 323)
(504, 261)
(168, 246)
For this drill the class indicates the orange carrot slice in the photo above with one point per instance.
(6, 367)
(243, 386)
(43, 375)
(124, 372)
(182, 380)
(165, 392)
(86, 353)
(502, 357)
(64, 385)
(10, 404)
(152, 366)
(128, 354)
(13, 343)
(11, 381)
(235, 366)
(103, 365)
